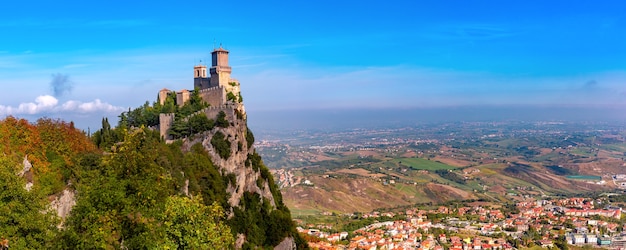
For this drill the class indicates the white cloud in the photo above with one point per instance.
(88, 107)
(46, 104)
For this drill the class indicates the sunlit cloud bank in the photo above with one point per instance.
(47, 104)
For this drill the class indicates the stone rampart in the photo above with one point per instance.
(212, 111)
(182, 97)
(165, 123)
(209, 89)
(214, 96)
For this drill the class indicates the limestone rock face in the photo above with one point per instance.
(64, 203)
(27, 166)
(236, 134)
(287, 244)
(247, 178)
(26, 173)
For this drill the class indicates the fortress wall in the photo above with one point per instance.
(182, 97)
(215, 96)
(201, 83)
(224, 78)
(209, 89)
(228, 109)
(211, 112)
(163, 95)
(165, 123)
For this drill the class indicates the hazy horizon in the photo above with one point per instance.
(398, 117)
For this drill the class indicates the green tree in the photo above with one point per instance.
(179, 129)
(106, 137)
(189, 224)
(249, 138)
(200, 123)
(119, 203)
(194, 104)
(221, 145)
(561, 242)
(221, 120)
(204, 177)
(22, 221)
(231, 97)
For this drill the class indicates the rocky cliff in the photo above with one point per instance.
(255, 202)
(240, 148)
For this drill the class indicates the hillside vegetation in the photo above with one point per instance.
(132, 190)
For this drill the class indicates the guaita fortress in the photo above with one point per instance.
(220, 91)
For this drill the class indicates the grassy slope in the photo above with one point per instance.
(424, 164)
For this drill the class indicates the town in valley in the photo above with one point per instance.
(457, 185)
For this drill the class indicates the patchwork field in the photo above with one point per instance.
(423, 164)
(368, 170)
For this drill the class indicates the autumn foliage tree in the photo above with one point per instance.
(51, 146)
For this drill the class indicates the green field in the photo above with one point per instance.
(615, 147)
(585, 177)
(296, 213)
(582, 152)
(423, 164)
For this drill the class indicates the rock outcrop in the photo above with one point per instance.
(246, 177)
(26, 173)
(64, 203)
(286, 244)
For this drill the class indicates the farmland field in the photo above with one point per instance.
(423, 164)
(585, 177)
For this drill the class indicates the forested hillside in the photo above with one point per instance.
(132, 190)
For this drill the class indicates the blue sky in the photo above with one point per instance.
(106, 56)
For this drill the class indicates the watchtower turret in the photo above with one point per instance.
(220, 71)
(200, 78)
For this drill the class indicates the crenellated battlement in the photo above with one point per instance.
(210, 89)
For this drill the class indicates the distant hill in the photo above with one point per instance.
(350, 189)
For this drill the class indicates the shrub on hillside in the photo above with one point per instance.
(221, 145)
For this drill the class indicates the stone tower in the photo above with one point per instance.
(163, 95)
(200, 78)
(220, 71)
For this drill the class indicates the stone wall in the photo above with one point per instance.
(165, 123)
(220, 75)
(182, 97)
(212, 111)
(163, 95)
(215, 96)
(201, 83)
